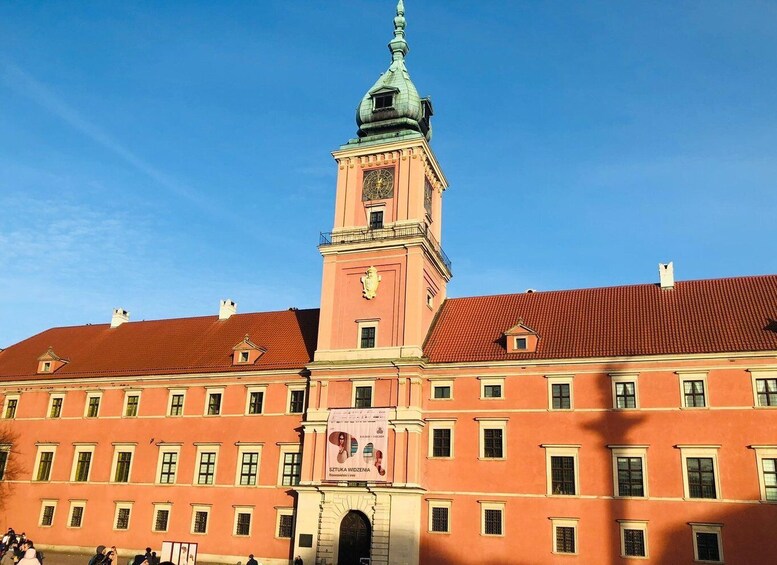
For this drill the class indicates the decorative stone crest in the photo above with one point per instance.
(370, 282)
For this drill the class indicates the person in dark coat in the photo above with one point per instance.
(251, 560)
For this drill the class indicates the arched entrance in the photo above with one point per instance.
(355, 538)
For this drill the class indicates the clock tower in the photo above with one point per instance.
(385, 273)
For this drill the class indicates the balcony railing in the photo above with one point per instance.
(366, 235)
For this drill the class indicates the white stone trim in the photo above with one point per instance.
(641, 525)
(558, 450)
(561, 379)
(564, 523)
(123, 448)
(685, 376)
(621, 378)
(687, 451)
(629, 451)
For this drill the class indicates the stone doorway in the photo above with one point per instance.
(355, 539)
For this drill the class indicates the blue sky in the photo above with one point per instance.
(145, 147)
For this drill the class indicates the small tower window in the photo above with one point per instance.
(383, 101)
(367, 340)
(376, 219)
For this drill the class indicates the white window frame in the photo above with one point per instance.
(295, 386)
(243, 356)
(90, 395)
(81, 448)
(619, 378)
(697, 527)
(755, 375)
(255, 389)
(76, 504)
(559, 450)
(440, 383)
(564, 523)
(491, 505)
(445, 424)
(492, 424)
(709, 451)
(161, 506)
(360, 324)
(440, 503)
(8, 398)
(200, 508)
(43, 504)
(629, 451)
(172, 392)
(47, 448)
(363, 383)
(127, 394)
(284, 511)
(490, 381)
(52, 396)
(122, 447)
(641, 525)
(561, 380)
(210, 391)
(284, 449)
(377, 207)
(167, 448)
(248, 448)
(684, 376)
(763, 452)
(119, 506)
(205, 448)
(243, 510)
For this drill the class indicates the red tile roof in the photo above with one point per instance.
(184, 345)
(707, 316)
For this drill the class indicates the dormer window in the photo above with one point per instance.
(521, 339)
(46, 368)
(246, 352)
(50, 362)
(383, 101)
(521, 343)
(243, 357)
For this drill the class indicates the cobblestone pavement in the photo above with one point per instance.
(52, 558)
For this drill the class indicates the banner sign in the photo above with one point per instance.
(179, 552)
(357, 442)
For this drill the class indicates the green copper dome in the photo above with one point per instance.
(392, 108)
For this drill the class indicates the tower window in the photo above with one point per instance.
(367, 340)
(383, 101)
(376, 219)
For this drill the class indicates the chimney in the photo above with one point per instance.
(120, 315)
(227, 308)
(666, 275)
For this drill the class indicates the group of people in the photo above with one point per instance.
(110, 556)
(19, 550)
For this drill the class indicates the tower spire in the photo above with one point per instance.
(398, 46)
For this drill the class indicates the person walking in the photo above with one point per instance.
(251, 560)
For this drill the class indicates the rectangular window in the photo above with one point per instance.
(565, 539)
(207, 468)
(376, 219)
(492, 391)
(161, 519)
(83, 463)
(625, 395)
(123, 462)
(243, 524)
(630, 479)
(131, 409)
(44, 466)
(770, 478)
(562, 399)
(367, 340)
(766, 391)
(441, 392)
(707, 543)
(92, 406)
(492, 443)
(4, 453)
(55, 411)
(167, 471)
(255, 401)
(76, 516)
(285, 525)
(701, 477)
(383, 101)
(562, 470)
(214, 404)
(47, 516)
(249, 467)
(296, 401)
(292, 469)
(693, 394)
(633, 543)
(492, 518)
(440, 521)
(200, 525)
(10, 407)
(122, 518)
(441, 442)
(363, 397)
(176, 404)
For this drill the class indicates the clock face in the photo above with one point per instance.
(378, 184)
